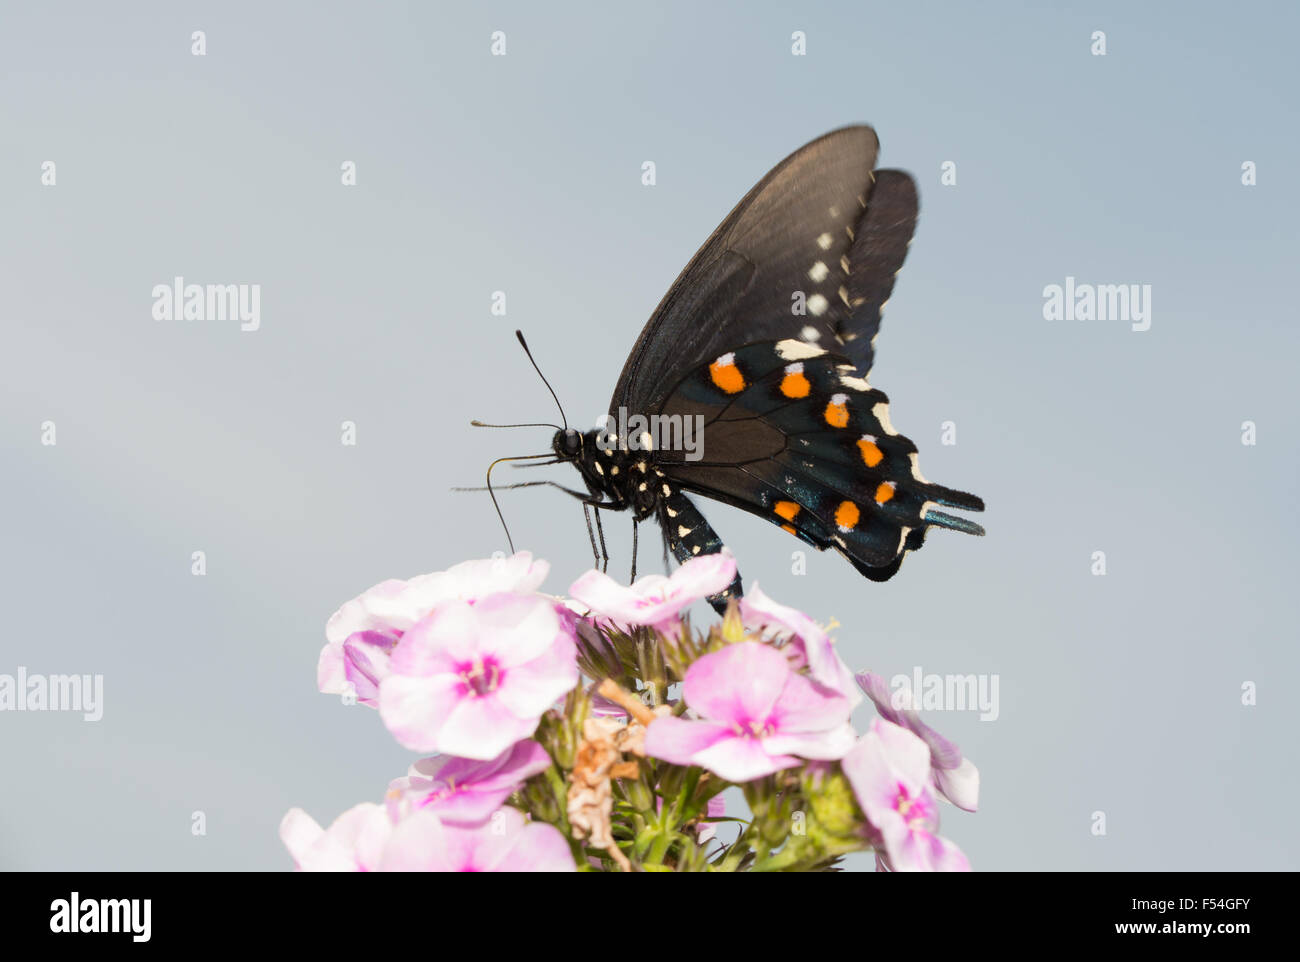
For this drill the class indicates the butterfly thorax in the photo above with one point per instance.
(625, 479)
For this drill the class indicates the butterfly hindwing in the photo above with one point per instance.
(879, 247)
(790, 433)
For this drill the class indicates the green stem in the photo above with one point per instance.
(561, 794)
(660, 847)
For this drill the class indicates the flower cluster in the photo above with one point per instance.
(599, 732)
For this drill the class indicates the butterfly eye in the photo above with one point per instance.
(571, 441)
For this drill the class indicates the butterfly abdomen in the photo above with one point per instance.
(689, 535)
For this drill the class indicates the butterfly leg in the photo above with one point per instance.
(600, 533)
(635, 523)
(595, 554)
(689, 535)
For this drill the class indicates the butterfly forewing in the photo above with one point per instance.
(781, 265)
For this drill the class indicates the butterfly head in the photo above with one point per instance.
(567, 444)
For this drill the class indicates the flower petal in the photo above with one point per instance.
(537, 847)
(515, 628)
(824, 662)
(740, 758)
(482, 728)
(678, 740)
(439, 642)
(960, 785)
(805, 706)
(829, 745)
(738, 685)
(421, 843)
(529, 689)
(924, 852)
(414, 709)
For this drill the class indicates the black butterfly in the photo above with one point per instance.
(766, 340)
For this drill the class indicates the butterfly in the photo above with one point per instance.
(748, 385)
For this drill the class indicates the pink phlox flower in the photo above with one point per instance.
(654, 600)
(361, 635)
(464, 791)
(472, 679)
(889, 769)
(956, 778)
(754, 716)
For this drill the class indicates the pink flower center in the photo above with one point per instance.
(917, 812)
(441, 793)
(754, 729)
(481, 677)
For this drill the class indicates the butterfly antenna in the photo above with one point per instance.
(493, 494)
(524, 345)
(538, 424)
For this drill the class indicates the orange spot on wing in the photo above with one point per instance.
(726, 376)
(790, 528)
(795, 386)
(837, 415)
(871, 455)
(847, 515)
(786, 509)
(884, 492)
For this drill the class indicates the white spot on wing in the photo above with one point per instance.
(817, 305)
(792, 350)
(916, 473)
(825, 241)
(818, 272)
(810, 333)
(855, 383)
(881, 413)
